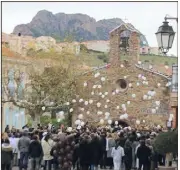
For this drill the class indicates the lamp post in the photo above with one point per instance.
(165, 35)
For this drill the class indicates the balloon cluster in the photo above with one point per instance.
(63, 150)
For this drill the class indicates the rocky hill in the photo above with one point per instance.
(79, 27)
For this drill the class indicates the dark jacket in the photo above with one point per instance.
(84, 153)
(95, 151)
(143, 154)
(128, 155)
(35, 149)
(6, 154)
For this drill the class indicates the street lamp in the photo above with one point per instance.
(165, 36)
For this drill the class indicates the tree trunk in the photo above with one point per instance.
(36, 121)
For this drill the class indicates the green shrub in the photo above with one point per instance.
(167, 142)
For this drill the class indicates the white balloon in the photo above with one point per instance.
(88, 112)
(80, 100)
(158, 126)
(82, 123)
(102, 121)
(106, 106)
(103, 96)
(94, 86)
(77, 122)
(106, 93)
(116, 122)
(43, 108)
(107, 100)
(97, 74)
(82, 109)
(133, 95)
(80, 116)
(159, 84)
(123, 105)
(71, 110)
(171, 115)
(130, 84)
(149, 93)
(73, 101)
(99, 86)
(117, 107)
(137, 84)
(128, 102)
(113, 93)
(69, 129)
(138, 122)
(166, 67)
(125, 115)
(67, 103)
(90, 101)
(103, 79)
(139, 76)
(122, 65)
(92, 93)
(99, 113)
(98, 104)
(86, 103)
(109, 122)
(121, 117)
(107, 114)
(117, 91)
(157, 103)
(153, 111)
(85, 84)
(149, 97)
(145, 97)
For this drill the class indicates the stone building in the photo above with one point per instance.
(124, 84)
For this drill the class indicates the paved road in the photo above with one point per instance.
(17, 168)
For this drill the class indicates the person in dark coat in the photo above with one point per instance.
(95, 151)
(6, 155)
(84, 153)
(103, 151)
(128, 155)
(143, 154)
(35, 152)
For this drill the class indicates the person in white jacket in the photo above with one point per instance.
(47, 146)
(117, 155)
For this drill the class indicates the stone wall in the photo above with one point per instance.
(134, 45)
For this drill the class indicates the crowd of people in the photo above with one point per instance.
(113, 148)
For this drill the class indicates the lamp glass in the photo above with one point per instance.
(165, 40)
(171, 39)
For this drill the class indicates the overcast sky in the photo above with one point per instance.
(145, 16)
